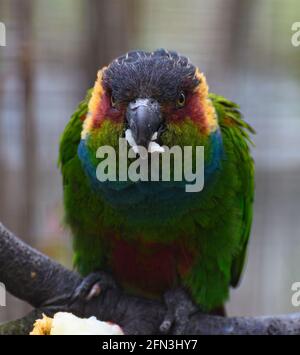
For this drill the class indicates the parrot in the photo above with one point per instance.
(152, 237)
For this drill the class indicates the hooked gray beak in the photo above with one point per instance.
(144, 120)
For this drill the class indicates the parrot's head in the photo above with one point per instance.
(152, 100)
(158, 97)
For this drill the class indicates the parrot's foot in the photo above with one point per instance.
(92, 285)
(179, 309)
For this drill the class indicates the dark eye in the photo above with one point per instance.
(113, 101)
(180, 100)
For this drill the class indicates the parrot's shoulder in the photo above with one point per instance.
(72, 133)
(230, 117)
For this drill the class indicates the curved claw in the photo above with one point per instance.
(166, 325)
(92, 285)
(180, 307)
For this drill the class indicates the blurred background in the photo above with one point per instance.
(54, 49)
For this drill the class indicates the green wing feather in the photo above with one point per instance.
(80, 204)
(232, 125)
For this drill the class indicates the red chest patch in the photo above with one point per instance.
(148, 267)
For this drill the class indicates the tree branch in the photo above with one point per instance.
(48, 287)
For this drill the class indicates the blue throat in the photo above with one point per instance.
(143, 196)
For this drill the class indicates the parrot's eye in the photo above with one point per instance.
(180, 100)
(113, 101)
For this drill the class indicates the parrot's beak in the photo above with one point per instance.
(144, 121)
